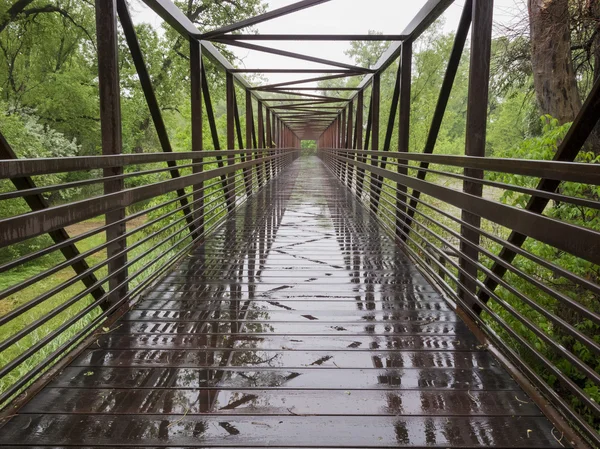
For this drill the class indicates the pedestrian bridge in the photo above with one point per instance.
(263, 295)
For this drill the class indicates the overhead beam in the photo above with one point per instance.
(290, 54)
(348, 72)
(322, 97)
(304, 81)
(270, 15)
(314, 37)
(324, 89)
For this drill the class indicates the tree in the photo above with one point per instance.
(367, 53)
(553, 73)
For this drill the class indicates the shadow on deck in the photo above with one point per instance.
(299, 323)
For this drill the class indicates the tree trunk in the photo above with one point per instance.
(553, 73)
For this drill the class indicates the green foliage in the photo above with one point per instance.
(543, 147)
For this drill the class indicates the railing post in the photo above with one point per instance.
(230, 101)
(110, 124)
(261, 144)
(479, 74)
(269, 143)
(359, 173)
(403, 132)
(249, 126)
(375, 100)
(349, 167)
(196, 119)
(343, 144)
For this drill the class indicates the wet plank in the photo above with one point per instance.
(307, 431)
(490, 378)
(287, 359)
(289, 342)
(389, 402)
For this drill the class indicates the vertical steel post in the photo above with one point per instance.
(403, 131)
(249, 126)
(269, 143)
(230, 102)
(261, 144)
(375, 103)
(343, 144)
(349, 135)
(477, 107)
(197, 143)
(110, 124)
(359, 173)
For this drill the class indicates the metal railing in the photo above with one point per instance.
(65, 299)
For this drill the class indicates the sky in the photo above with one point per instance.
(337, 17)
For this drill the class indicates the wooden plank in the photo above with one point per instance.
(255, 402)
(303, 431)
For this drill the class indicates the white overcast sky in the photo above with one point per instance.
(337, 17)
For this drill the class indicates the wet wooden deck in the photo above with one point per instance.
(299, 324)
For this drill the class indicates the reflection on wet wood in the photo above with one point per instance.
(299, 323)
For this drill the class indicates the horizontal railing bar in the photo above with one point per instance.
(11, 168)
(579, 241)
(536, 259)
(55, 247)
(16, 229)
(313, 37)
(590, 343)
(500, 185)
(100, 180)
(562, 171)
(67, 263)
(63, 306)
(548, 265)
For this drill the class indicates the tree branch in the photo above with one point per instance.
(41, 10)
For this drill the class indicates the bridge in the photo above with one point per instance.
(257, 294)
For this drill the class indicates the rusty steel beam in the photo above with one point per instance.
(403, 131)
(477, 113)
(375, 107)
(290, 54)
(230, 116)
(264, 70)
(238, 130)
(271, 89)
(261, 142)
(270, 15)
(110, 126)
(304, 81)
(314, 37)
(210, 115)
(196, 77)
(299, 94)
